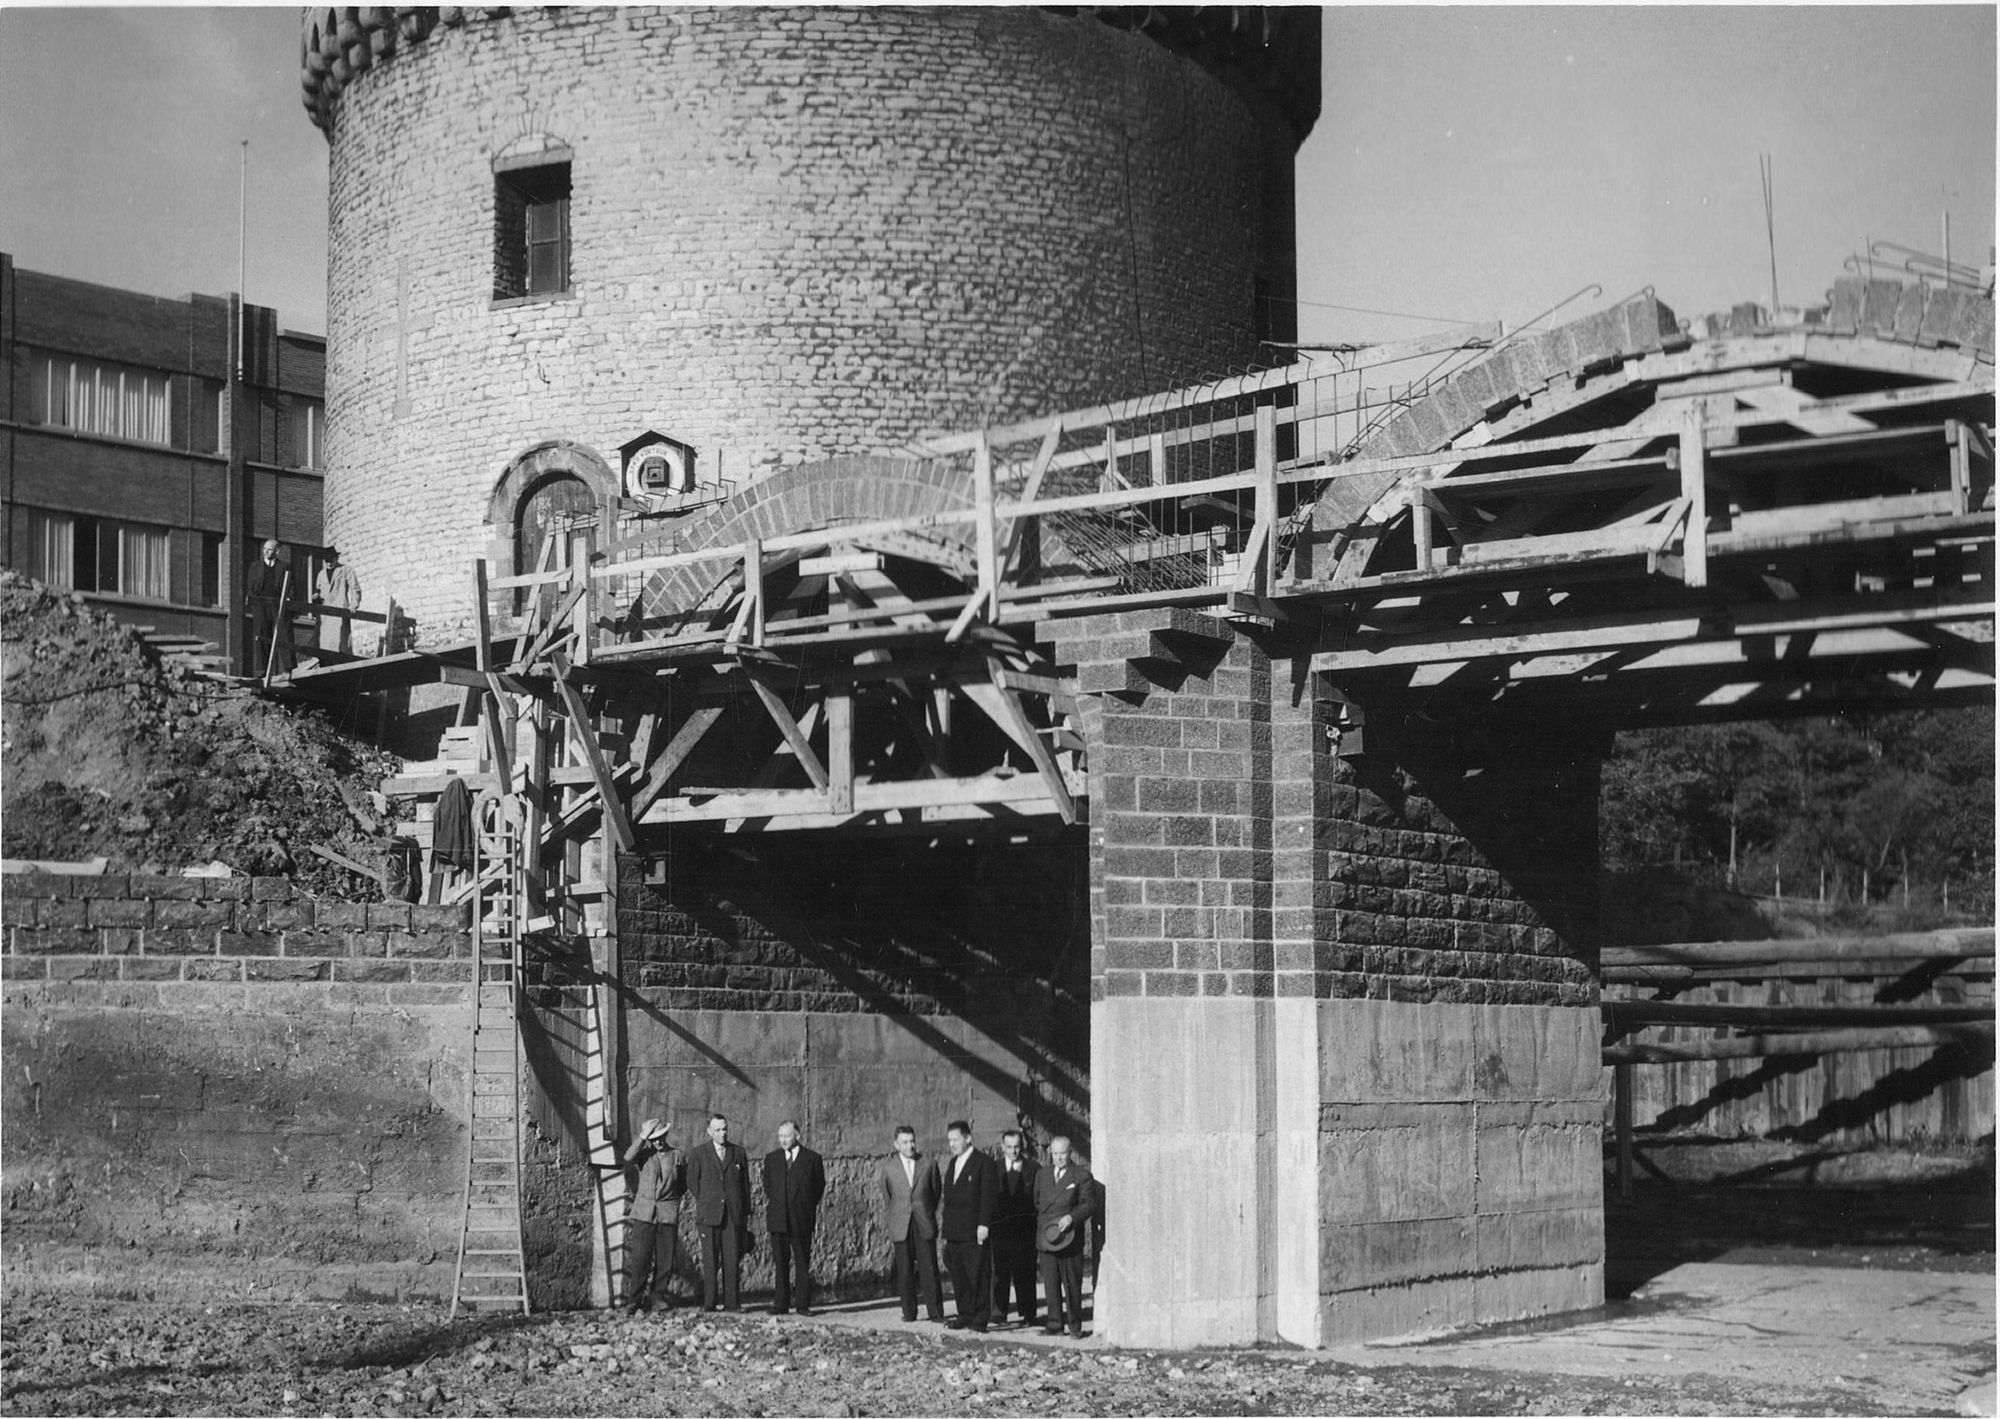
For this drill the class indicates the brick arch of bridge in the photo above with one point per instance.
(830, 493)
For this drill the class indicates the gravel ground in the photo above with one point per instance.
(66, 1356)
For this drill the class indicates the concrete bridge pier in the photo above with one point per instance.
(1345, 1073)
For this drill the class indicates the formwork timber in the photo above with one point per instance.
(1283, 654)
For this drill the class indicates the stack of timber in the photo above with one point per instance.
(1887, 1038)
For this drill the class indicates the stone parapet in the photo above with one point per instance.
(243, 929)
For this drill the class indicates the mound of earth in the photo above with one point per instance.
(111, 753)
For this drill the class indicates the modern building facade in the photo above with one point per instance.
(143, 456)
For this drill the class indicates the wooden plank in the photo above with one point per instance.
(985, 527)
(1961, 467)
(1875, 401)
(1254, 570)
(1636, 1014)
(1887, 357)
(1694, 489)
(979, 599)
(1030, 490)
(496, 706)
(342, 860)
(525, 579)
(1558, 480)
(1051, 685)
(584, 737)
(1003, 709)
(673, 756)
(1619, 630)
(827, 536)
(1818, 517)
(1816, 452)
(840, 751)
(583, 623)
(1796, 409)
(558, 627)
(443, 673)
(834, 564)
(1443, 459)
(1977, 526)
(748, 625)
(1010, 791)
(794, 737)
(1805, 1042)
(1907, 945)
(431, 785)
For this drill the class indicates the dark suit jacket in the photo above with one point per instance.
(792, 1193)
(1073, 1195)
(970, 1202)
(263, 583)
(720, 1186)
(900, 1205)
(1016, 1211)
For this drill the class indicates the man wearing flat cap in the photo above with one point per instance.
(652, 1221)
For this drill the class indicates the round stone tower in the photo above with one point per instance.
(770, 236)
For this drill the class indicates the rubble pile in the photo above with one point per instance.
(94, 1356)
(109, 752)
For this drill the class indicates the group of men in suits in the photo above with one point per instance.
(999, 1222)
(715, 1176)
(996, 1221)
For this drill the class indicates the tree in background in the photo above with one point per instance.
(1868, 804)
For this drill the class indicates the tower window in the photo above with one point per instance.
(531, 231)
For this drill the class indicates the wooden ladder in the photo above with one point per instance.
(492, 1265)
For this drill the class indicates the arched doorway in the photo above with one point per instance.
(547, 496)
(559, 507)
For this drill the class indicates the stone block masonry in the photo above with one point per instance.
(852, 986)
(221, 1088)
(795, 234)
(1393, 1120)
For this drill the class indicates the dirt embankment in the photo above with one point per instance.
(110, 753)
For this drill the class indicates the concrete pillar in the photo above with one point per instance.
(1344, 1032)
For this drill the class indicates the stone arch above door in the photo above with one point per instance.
(538, 469)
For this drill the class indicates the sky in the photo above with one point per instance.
(1470, 162)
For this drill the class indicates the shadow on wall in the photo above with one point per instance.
(852, 987)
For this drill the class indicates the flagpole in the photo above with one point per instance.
(242, 244)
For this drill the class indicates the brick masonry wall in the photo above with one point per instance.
(1235, 852)
(796, 234)
(852, 988)
(224, 1088)
(1389, 959)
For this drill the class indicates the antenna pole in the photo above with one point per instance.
(242, 227)
(1766, 168)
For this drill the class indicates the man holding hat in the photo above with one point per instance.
(652, 1220)
(1063, 1202)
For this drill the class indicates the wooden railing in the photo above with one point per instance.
(1226, 478)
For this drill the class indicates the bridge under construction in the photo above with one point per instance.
(1310, 672)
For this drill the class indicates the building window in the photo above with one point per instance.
(531, 231)
(211, 412)
(93, 397)
(98, 554)
(211, 568)
(308, 430)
